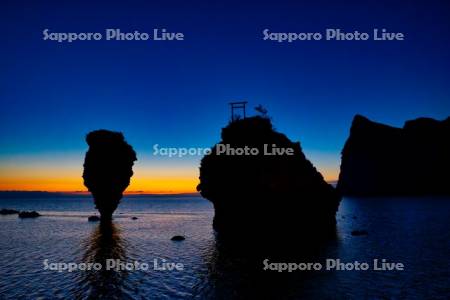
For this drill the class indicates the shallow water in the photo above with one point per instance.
(413, 231)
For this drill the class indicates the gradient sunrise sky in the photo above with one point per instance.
(175, 94)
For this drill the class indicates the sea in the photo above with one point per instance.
(55, 256)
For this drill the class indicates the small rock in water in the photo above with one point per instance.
(134, 218)
(178, 238)
(29, 214)
(94, 218)
(6, 211)
(359, 232)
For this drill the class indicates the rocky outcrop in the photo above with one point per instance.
(382, 160)
(178, 238)
(265, 196)
(6, 211)
(108, 167)
(29, 214)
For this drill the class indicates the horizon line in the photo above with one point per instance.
(332, 182)
(88, 193)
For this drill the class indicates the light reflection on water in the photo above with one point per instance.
(412, 231)
(104, 243)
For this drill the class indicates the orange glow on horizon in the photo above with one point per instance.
(157, 185)
(171, 185)
(65, 176)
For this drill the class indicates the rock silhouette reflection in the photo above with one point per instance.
(238, 272)
(104, 243)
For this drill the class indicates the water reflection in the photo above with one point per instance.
(236, 271)
(104, 243)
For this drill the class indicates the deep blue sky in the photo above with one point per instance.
(176, 93)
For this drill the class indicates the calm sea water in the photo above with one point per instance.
(413, 231)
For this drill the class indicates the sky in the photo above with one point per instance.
(176, 93)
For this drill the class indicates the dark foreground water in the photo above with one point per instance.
(412, 231)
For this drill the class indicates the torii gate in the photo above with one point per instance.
(237, 105)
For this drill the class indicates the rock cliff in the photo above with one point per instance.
(262, 195)
(382, 160)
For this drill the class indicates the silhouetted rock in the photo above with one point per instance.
(261, 196)
(6, 211)
(359, 232)
(108, 167)
(93, 218)
(134, 218)
(28, 214)
(178, 238)
(382, 160)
